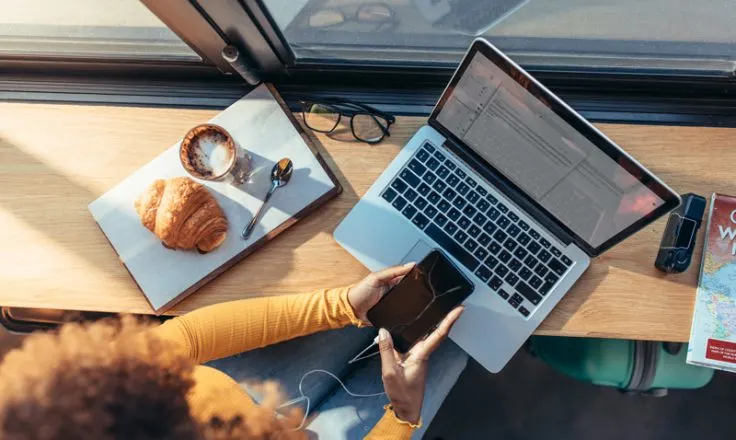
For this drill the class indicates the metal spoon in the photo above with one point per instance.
(280, 175)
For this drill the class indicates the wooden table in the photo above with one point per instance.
(55, 159)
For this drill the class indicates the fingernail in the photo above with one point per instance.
(382, 334)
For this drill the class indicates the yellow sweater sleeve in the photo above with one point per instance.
(230, 328)
(390, 428)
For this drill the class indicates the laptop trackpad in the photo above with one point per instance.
(417, 252)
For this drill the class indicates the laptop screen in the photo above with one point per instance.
(525, 133)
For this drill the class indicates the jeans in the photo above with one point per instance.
(335, 415)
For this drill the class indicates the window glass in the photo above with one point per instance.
(624, 33)
(117, 29)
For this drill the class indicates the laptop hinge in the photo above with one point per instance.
(509, 190)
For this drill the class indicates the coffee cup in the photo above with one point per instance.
(209, 152)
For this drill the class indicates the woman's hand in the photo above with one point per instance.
(404, 376)
(366, 294)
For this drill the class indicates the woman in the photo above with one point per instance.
(114, 381)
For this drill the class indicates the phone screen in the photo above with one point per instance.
(421, 300)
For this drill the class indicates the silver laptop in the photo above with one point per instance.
(513, 185)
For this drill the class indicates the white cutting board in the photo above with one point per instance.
(258, 124)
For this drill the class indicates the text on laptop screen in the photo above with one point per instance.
(520, 136)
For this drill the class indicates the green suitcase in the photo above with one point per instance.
(641, 367)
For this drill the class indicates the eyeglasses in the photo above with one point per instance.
(367, 124)
(379, 15)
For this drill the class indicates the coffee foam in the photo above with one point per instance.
(208, 152)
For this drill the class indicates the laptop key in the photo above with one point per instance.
(545, 244)
(422, 155)
(504, 256)
(420, 202)
(495, 283)
(519, 253)
(399, 203)
(484, 239)
(540, 270)
(432, 164)
(525, 274)
(491, 261)
(482, 205)
(528, 293)
(463, 222)
(461, 236)
(439, 156)
(417, 167)
(459, 202)
(535, 235)
(492, 199)
(454, 214)
(566, 260)
(515, 265)
(480, 253)
(452, 248)
(500, 236)
(546, 287)
(523, 225)
(439, 186)
(441, 220)
(410, 195)
(494, 248)
(479, 219)
(493, 213)
(399, 185)
(534, 247)
(471, 245)
(503, 294)
(409, 177)
(557, 267)
(512, 279)
(484, 273)
(516, 300)
(471, 182)
(544, 256)
(424, 189)
(463, 188)
(490, 227)
(429, 147)
(535, 282)
(473, 197)
(513, 230)
(530, 261)
(513, 217)
(442, 172)
(474, 231)
(503, 208)
(409, 211)
(449, 194)
(434, 198)
(551, 278)
(482, 191)
(450, 228)
(523, 239)
(452, 180)
(389, 195)
(469, 210)
(503, 222)
(524, 312)
(429, 178)
(420, 221)
(444, 205)
(510, 244)
(430, 211)
(501, 270)
(556, 252)
(450, 164)
(461, 173)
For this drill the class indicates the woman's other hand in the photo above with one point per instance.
(366, 293)
(404, 376)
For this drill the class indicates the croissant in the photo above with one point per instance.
(183, 214)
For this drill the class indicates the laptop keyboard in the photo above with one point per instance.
(489, 238)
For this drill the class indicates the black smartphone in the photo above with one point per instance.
(415, 306)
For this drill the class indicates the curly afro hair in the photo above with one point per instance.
(112, 380)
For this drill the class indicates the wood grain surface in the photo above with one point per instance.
(55, 159)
